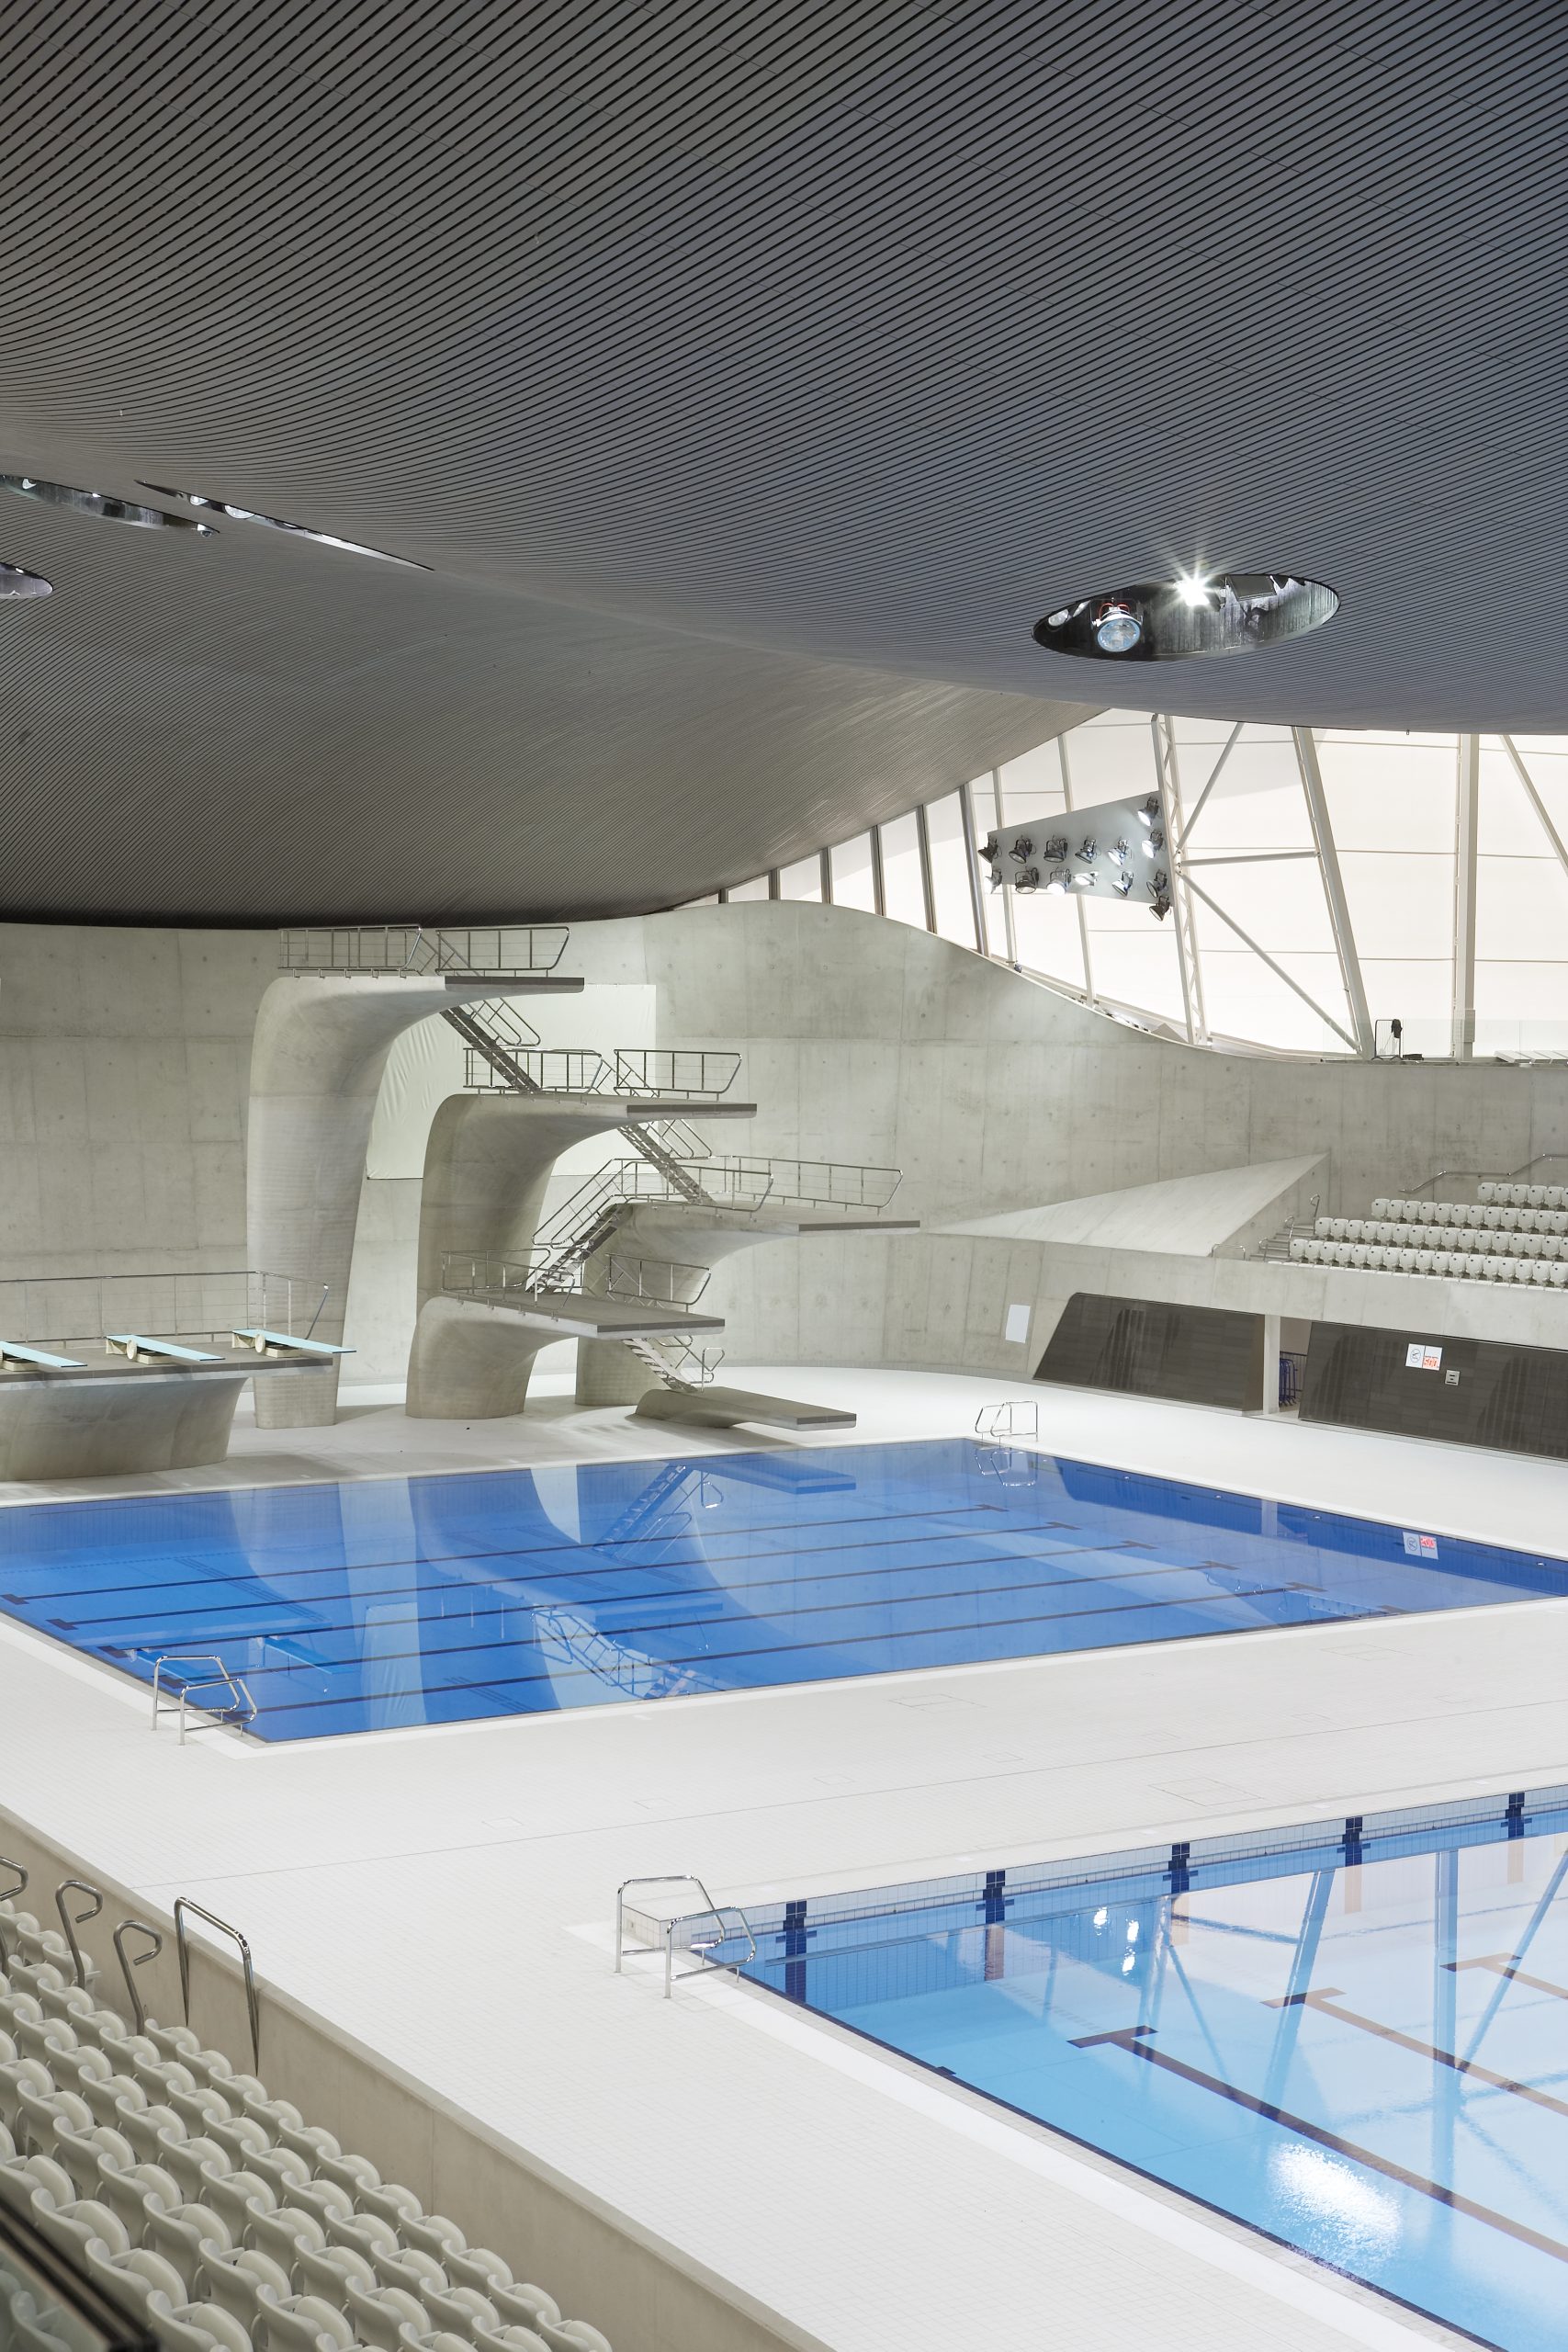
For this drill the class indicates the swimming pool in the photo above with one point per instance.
(383, 1602)
(1355, 2039)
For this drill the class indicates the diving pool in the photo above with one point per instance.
(378, 1603)
(1355, 2039)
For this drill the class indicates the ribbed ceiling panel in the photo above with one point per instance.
(751, 379)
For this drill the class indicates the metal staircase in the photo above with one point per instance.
(674, 1360)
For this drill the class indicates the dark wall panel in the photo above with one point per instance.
(1148, 1347)
(1512, 1398)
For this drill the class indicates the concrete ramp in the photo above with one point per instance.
(724, 1408)
(1183, 1215)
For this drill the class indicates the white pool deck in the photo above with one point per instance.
(868, 2206)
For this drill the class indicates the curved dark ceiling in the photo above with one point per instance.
(751, 377)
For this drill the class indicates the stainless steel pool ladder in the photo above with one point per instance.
(717, 1912)
(240, 1707)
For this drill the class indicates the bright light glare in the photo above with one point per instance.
(1192, 589)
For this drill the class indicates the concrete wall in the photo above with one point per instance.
(124, 1076)
(124, 1064)
(867, 1040)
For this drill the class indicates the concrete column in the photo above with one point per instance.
(1272, 1344)
(487, 1165)
(320, 1050)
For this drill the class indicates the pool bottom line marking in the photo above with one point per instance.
(1133, 2040)
(1501, 1964)
(1327, 2003)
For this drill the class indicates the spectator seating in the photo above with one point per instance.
(210, 2211)
(1523, 1240)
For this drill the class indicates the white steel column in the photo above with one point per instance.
(1083, 915)
(1009, 919)
(1467, 812)
(1334, 890)
(1180, 904)
(928, 889)
(972, 862)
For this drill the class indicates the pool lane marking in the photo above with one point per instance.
(730, 1658)
(251, 1573)
(623, 1634)
(1328, 2002)
(531, 1580)
(1501, 1964)
(1133, 2040)
(528, 1596)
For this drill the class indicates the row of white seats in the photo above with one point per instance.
(1457, 1265)
(212, 2210)
(1444, 1237)
(1524, 1196)
(1475, 1215)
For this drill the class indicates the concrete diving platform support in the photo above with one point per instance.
(69, 1419)
(472, 1357)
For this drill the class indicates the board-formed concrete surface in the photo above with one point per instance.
(320, 1050)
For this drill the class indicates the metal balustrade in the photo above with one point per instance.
(655, 1282)
(806, 1183)
(73, 1309)
(507, 950)
(655, 1279)
(678, 1070)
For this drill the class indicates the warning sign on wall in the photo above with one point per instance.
(1419, 1357)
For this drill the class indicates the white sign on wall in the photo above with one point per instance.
(1016, 1328)
(1420, 1357)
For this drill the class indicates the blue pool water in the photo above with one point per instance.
(390, 1601)
(1362, 2050)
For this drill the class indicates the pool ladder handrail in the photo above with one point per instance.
(718, 1912)
(241, 1706)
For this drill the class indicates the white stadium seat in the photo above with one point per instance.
(153, 2163)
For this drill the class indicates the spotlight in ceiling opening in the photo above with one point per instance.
(15, 584)
(1117, 627)
(108, 509)
(1226, 612)
(275, 523)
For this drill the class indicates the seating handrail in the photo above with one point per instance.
(139, 1927)
(182, 1903)
(71, 1921)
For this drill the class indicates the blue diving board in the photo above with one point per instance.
(265, 1341)
(134, 1344)
(11, 1351)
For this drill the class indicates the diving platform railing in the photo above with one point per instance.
(492, 951)
(673, 1074)
(646, 1281)
(163, 1315)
